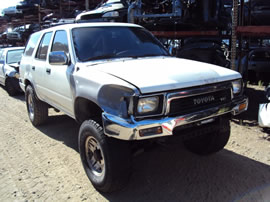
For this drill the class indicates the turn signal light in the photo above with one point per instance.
(150, 131)
(242, 106)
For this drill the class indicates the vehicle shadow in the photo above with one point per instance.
(18, 96)
(62, 128)
(177, 175)
(168, 172)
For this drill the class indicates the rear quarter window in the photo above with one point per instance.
(32, 43)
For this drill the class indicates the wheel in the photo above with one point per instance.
(10, 88)
(211, 142)
(106, 160)
(37, 110)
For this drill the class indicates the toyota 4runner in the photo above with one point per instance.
(121, 84)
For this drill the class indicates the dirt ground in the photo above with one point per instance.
(43, 164)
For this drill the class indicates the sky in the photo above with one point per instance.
(7, 3)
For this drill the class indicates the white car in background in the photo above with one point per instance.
(9, 68)
(11, 11)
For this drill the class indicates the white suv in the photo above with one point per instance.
(121, 84)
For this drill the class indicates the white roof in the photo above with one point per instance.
(92, 24)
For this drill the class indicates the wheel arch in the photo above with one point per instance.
(85, 109)
(27, 82)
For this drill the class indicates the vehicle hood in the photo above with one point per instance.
(159, 74)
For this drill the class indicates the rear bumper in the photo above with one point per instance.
(131, 129)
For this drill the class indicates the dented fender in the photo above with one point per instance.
(110, 93)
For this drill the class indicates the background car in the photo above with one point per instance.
(9, 68)
(259, 64)
(21, 33)
(259, 12)
(111, 10)
(12, 12)
(209, 50)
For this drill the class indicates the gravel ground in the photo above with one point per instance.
(43, 164)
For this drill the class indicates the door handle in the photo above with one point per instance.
(48, 70)
(33, 68)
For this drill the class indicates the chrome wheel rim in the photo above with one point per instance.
(30, 107)
(94, 156)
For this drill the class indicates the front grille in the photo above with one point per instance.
(200, 102)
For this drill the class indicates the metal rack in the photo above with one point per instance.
(242, 31)
(177, 38)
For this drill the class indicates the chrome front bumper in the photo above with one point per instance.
(130, 129)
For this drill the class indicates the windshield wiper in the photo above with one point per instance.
(107, 56)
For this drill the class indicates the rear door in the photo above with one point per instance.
(39, 66)
(26, 63)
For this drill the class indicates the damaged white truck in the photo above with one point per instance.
(122, 85)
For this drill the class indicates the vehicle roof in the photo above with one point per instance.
(91, 24)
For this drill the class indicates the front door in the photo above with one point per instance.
(58, 77)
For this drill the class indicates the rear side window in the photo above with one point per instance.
(31, 44)
(43, 46)
(60, 42)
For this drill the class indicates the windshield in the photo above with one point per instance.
(93, 43)
(14, 56)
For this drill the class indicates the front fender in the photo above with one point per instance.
(110, 93)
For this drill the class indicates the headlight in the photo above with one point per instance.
(146, 105)
(111, 14)
(17, 75)
(237, 86)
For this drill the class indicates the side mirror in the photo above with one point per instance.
(58, 58)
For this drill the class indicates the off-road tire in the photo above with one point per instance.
(10, 88)
(115, 153)
(39, 113)
(211, 142)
